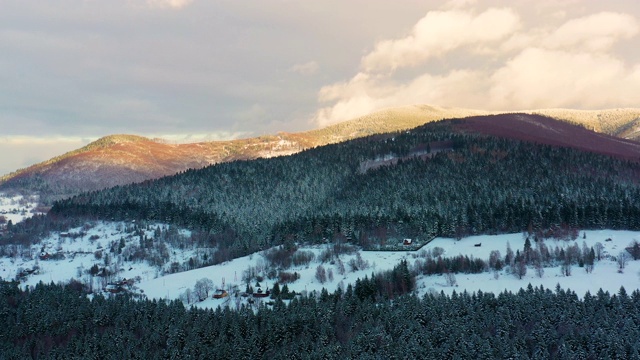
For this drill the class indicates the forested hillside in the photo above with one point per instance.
(433, 180)
(125, 159)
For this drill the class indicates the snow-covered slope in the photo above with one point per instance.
(16, 208)
(605, 274)
(71, 255)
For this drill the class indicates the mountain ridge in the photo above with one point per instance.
(122, 159)
(440, 179)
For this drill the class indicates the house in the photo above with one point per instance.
(113, 288)
(407, 242)
(124, 282)
(261, 294)
(219, 294)
(44, 256)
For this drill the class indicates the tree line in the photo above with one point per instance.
(59, 322)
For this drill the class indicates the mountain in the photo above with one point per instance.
(123, 159)
(476, 175)
(447, 178)
(617, 122)
(546, 130)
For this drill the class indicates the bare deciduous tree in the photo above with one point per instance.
(202, 287)
(520, 268)
(622, 260)
(321, 274)
(599, 250)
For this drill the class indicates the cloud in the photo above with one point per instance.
(459, 4)
(597, 32)
(438, 33)
(173, 4)
(492, 60)
(308, 68)
(538, 78)
(367, 94)
(251, 114)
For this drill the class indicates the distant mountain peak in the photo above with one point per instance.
(117, 139)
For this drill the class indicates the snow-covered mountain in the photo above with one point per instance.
(123, 159)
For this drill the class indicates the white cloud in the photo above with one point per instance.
(493, 61)
(458, 4)
(174, 4)
(438, 33)
(597, 32)
(539, 78)
(308, 68)
(366, 94)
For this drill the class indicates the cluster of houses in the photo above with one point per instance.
(221, 293)
(48, 256)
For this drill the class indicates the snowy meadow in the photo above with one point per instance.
(101, 254)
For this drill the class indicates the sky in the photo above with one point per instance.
(72, 71)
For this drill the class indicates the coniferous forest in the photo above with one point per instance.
(440, 183)
(60, 322)
(430, 181)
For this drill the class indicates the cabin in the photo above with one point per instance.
(261, 294)
(220, 293)
(124, 282)
(407, 242)
(113, 288)
(44, 256)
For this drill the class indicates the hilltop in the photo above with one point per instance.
(124, 159)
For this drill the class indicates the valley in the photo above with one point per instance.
(302, 180)
(454, 214)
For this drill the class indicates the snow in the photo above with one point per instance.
(605, 274)
(17, 207)
(79, 255)
(154, 282)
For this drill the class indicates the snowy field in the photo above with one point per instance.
(605, 274)
(80, 255)
(16, 208)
